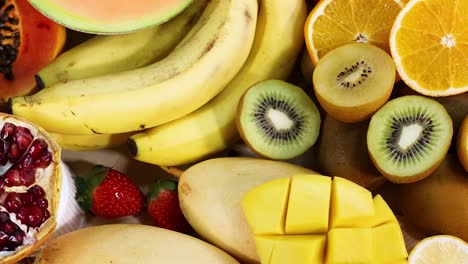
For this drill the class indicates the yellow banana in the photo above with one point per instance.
(182, 82)
(278, 41)
(90, 142)
(105, 54)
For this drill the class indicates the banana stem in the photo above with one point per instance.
(174, 171)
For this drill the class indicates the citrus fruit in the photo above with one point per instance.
(429, 44)
(439, 249)
(333, 23)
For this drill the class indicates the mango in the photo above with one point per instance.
(341, 222)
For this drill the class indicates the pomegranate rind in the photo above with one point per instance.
(51, 182)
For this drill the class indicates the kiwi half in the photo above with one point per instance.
(354, 80)
(409, 137)
(277, 119)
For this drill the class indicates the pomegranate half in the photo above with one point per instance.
(30, 183)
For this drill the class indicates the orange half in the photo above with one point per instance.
(429, 44)
(333, 23)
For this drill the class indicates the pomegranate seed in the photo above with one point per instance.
(46, 216)
(44, 161)
(37, 147)
(8, 227)
(17, 238)
(41, 203)
(14, 153)
(27, 198)
(37, 191)
(3, 239)
(21, 214)
(23, 177)
(23, 138)
(3, 153)
(4, 216)
(8, 131)
(28, 176)
(13, 202)
(26, 161)
(34, 216)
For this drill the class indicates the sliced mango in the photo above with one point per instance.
(351, 204)
(296, 249)
(383, 213)
(389, 244)
(314, 219)
(265, 207)
(349, 246)
(309, 203)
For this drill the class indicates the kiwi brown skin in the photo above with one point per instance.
(437, 204)
(462, 143)
(342, 151)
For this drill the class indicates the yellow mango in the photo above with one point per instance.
(389, 244)
(309, 203)
(265, 207)
(297, 249)
(349, 246)
(382, 213)
(351, 204)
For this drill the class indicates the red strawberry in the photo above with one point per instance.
(109, 193)
(164, 208)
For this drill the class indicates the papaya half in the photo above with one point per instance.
(28, 42)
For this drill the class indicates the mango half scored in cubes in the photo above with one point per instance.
(314, 219)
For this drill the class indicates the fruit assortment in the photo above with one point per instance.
(297, 132)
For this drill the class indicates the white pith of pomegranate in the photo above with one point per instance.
(27, 191)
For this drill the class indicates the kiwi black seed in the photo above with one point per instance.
(278, 120)
(353, 81)
(409, 137)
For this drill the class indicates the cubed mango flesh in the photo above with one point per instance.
(389, 244)
(291, 249)
(265, 207)
(351, 204)
(309, 204)
(314, 219)
(349, 245)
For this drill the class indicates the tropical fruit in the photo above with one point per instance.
(309, 218)
(30, 186)
(333, 23)
(90, 142)
(428, 44)
(110, 17)
(354, 80)
(409, 137)
(28, 42)
(277, 119)
(437, 204)
(342, 152)
(439, 249)
(129, 243)
(462, 143)
(210, 194)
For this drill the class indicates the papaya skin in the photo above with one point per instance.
(437, 204)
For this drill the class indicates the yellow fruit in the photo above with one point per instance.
(351, 205)
(130, 243)
(439, 249)
(362, 229)
(333, 23)
(462, 143)
(266, 213)
(308, 205)
(428, 44)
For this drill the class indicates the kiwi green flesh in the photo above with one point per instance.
(278, 120)
(409, 136)
(354, 74)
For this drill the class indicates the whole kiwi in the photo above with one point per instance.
(342, 151)
(437, 204)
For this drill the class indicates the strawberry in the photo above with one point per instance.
(109, 193)
(164, 208)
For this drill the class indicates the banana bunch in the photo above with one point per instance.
(182, 107)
